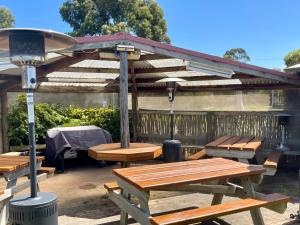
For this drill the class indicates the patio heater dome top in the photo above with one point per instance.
(54, 41)
(29, 46)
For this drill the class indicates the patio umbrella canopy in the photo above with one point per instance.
(27, 49)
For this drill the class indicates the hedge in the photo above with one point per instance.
(51, 115)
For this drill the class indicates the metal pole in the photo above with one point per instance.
(125, 137)
(31, 137)
(171, 120)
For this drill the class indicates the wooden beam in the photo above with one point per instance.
(160, 70)
(9, 77)
(8, 85)
(4, 123)
(43, 70)
(125, 137)
(154, 57)
(134, 101)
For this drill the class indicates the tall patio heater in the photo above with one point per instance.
(27, 49)
(171, 147)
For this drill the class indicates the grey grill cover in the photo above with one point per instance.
(73, 139)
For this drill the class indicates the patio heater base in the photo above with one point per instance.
(41, 210)
(172, 151)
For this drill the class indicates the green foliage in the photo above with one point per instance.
(292, 58)
(49, 115)
(46, 116)
(143, 18)
(6, 18)
(237, 54)
(106, 118)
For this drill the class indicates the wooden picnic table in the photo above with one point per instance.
(241, 148)
(135, 152)
(203, 176)
(11, 168)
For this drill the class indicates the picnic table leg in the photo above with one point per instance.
(124, 214)
(255, 213)
(5, 203)
(217, 199)
(143, 197)
(246, 161)
(125, 164)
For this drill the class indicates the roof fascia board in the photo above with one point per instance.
(99, 45)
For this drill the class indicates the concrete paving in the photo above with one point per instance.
(83, 200)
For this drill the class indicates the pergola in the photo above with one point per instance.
(122, 62)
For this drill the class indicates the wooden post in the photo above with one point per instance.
(134, 101)
(4, 128)
(125, 137)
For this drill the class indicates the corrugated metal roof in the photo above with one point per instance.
(98, 64)
(77, 75)
(175, 74)
(211, 82)
(58, 84)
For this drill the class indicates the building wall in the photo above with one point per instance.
(261, 100)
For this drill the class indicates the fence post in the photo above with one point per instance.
(210, 127)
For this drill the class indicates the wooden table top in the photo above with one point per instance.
(135, 152)
(235, 143)
(188, 172)
(13, 163)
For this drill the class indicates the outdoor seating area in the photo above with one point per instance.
(113, 124)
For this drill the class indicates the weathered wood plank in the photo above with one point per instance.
(253, 144)
(125, 136)
(218, 142)
(149, 177)
(199, 155)
(241, 143)
(202, 214)
(228, 143)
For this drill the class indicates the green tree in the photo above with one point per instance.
(237, 54)
(6, 18)
(292, 58)
(143, 18)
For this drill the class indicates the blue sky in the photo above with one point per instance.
(266, 29)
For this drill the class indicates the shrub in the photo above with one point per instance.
(106, 118)
(48, 116)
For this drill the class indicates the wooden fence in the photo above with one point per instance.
(198, 128)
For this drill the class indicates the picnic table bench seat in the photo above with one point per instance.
(211, 212)
(201, 154)
(271, 162)
(202, 214)
(111, 186)
(48, 170)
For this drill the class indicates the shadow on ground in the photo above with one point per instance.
(211, 222)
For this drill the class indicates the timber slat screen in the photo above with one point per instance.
(200, 128)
